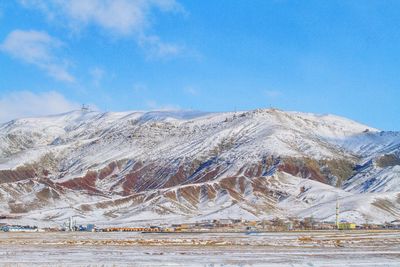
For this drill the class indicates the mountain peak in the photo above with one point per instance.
(195, 164)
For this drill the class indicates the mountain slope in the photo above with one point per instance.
(118, 168)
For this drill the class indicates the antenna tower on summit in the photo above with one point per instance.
(84, 108)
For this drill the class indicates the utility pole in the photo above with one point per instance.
(337, 213)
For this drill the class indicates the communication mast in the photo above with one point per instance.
(337, 213)
(70, 224)
(84, 108)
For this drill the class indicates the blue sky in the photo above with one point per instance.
(339, 57)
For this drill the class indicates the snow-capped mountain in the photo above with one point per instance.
(133, 167)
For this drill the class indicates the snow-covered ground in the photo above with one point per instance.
(356, 248)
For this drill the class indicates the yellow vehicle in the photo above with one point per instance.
(346, 226)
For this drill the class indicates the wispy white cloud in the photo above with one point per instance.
(190, 90)
(155, 48)
(153, 105)
(37, 48)
(97, 74)
(272, 93)
(21, 104)
(117, 17)
(139, 88)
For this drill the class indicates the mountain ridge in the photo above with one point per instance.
(186, 165)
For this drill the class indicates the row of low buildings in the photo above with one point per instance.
(19, 228)
(223, 225)
(27, 228)
(277, 224)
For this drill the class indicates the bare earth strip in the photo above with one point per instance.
(353, 248)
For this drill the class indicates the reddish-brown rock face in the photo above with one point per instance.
(20, 173)
(185, 185)
(86, 183)
(141, 177)
(332, 172)
(309, 170)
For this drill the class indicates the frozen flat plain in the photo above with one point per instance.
(344, 248)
